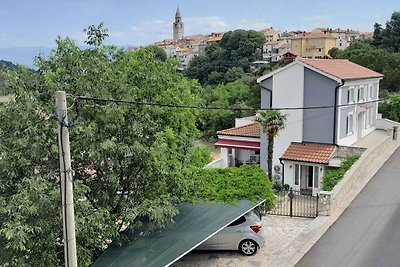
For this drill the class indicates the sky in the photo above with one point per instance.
(27, 23)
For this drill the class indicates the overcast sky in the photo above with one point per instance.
(28, 23)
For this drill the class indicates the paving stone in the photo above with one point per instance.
(281, 232)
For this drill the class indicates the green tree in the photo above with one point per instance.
(129, 161)
(242, 93)
(158, 52)
(390, 36)
(271, 122)
(236, 50)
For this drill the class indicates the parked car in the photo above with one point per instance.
(246, 234)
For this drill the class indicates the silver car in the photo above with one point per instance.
(246, 234)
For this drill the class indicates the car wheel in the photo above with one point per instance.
(248, 247)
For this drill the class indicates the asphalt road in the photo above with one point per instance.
(368, 231)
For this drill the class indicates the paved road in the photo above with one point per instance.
(368, 231)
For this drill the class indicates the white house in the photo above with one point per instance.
(329, 103)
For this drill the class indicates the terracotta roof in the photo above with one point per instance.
(271, 43)
(309, 152)
(250, 130)
(341, 68)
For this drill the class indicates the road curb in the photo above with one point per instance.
(323, 223)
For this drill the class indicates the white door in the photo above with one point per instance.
(297, 176)
(316, 185)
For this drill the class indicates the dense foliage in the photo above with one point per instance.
(242, 93)
(129, 161)
(332, 177)
(227, 60)
(6, 66)
(232, 184)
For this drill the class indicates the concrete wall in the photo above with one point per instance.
(318, 123)
(285, 94)
(265, 103)
(362, 169)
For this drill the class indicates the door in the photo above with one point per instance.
(316, 185)
(230, 236)
(297, 176)
(310, 177)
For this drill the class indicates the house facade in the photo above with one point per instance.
(312, 45)
(239, 145)
(329, 104)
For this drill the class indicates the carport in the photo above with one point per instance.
(194, 224)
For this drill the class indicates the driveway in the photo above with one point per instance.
(368, 231)
(281, 231)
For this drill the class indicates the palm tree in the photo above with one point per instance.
(271, 121)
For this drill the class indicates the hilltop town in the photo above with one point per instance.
(278, 44)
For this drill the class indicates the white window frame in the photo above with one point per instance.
(350, 124)
(316, 177)
(361, 94)
(350, 95)
(297, 171)
(371, 92)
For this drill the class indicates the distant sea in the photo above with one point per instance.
(25, 55)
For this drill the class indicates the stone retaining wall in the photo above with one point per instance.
(328, 201)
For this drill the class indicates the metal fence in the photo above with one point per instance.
(294, 204)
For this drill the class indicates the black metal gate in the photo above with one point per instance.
(294, 204)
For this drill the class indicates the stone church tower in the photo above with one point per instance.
(178, 26)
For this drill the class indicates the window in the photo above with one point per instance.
(349, 124)
(310, 176)
(350, 95)
(238, 221)
(296, 174)
(371, 92)
(319, 49)
(361, 93)
(316, 177)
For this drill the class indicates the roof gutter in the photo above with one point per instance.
(335, 111)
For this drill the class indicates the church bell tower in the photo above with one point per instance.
(178, 26)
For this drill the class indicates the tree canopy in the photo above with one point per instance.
(228, 58)
(129, 161)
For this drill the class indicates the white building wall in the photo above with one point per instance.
(288, 94)
(357, 109)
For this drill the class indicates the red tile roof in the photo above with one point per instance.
(309, 152)
(250, 130)
(341, 68)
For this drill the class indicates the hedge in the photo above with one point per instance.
(232, 184)
(332, 177)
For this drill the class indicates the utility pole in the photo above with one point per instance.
(67, 197)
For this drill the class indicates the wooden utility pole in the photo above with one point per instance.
(67, 197)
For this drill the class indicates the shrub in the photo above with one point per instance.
(332, 177)
(232, 184)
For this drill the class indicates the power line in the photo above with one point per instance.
(130, 102)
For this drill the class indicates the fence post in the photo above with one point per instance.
(395, 128)
(291, 201)
(316, 214)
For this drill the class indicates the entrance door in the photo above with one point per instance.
(297, 176)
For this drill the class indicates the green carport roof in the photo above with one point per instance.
(194, 224)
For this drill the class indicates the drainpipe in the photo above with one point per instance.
(335, 111)
(270, 100)
(283, 172)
